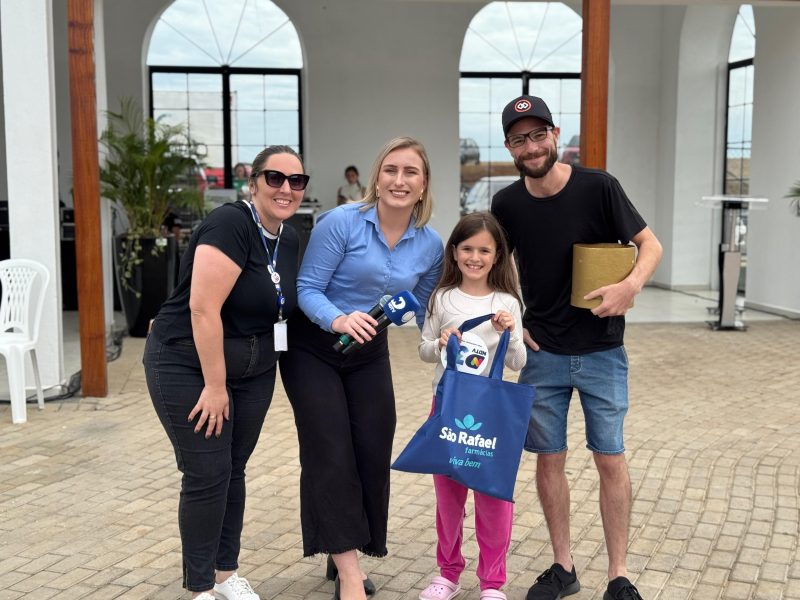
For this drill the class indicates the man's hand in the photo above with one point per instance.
(616, 299)
(529, 341)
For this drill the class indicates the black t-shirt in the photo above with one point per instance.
(252, 306)
(592, 208)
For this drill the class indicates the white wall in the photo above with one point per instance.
(704, 44)
(666, 126)
(3, 182)
(127, 25)
(63, 117)
(29, 99)
(773, 236)
(634, 106)
(397, 76)
(672, 21)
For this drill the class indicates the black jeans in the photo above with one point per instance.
(211, 508)
(344, 410)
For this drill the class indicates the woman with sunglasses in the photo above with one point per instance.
(210, 362)
(344, 403)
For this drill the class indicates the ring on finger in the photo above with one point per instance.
(212, 418)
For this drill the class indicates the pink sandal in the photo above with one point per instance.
(493, 594)
(440, 588)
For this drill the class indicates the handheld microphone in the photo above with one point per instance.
(375, 312)
(401, 308)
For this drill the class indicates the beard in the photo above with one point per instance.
(537, 173)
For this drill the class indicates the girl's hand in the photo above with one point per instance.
(212, 406)
(358, 325)
(503, 320)
(446, 333)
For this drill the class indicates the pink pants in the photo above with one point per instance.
(492, 528)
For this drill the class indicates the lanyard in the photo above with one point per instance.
(272, 258)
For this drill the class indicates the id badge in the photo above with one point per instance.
(281, 343)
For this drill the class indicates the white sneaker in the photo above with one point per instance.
(234, 588)
(205, 596)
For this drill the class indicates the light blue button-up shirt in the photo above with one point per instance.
(349, 266)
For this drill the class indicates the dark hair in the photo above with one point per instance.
(262, 157)
(503, 275)
(351, 168)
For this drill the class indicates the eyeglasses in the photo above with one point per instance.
(537, 136)
(275, 179)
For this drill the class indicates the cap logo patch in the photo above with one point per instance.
(522, 106)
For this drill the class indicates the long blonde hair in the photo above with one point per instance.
(422, 209)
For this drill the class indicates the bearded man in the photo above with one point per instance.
(552, 207)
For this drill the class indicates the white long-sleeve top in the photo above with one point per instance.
(452, 308)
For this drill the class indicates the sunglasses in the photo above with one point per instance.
(275, 179)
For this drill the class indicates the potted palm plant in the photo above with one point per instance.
(148, 169)
(794, 198)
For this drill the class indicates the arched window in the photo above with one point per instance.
(739, 115)
(230, 72)
(514, 48)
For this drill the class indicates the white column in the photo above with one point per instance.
(773, 234)
(105, 210)
(30, 134)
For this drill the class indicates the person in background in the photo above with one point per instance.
(552, 207)
(479, 278)
(344, 405)
(241, 176)
(352, 191)
(210, 363)
(241, 171)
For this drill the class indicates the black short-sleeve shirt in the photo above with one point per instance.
(252, 305)
(592, 208)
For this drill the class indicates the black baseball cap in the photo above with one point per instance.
(523, 107)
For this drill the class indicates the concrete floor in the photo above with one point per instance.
(89, 488)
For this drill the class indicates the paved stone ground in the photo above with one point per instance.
(89, 489)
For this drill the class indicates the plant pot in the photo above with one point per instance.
(153, 279)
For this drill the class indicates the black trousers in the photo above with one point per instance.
(345, 414)
(211, 508)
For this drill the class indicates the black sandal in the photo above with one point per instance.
(331, 574)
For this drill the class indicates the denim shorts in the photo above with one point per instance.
(601, 379)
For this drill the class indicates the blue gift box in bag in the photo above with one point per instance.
(477, 430)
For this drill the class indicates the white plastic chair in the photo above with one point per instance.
(24, 283)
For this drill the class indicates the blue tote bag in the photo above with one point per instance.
(477, 430)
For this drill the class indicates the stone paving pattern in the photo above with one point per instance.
(89, 488)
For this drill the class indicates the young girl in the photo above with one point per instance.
(479, 277)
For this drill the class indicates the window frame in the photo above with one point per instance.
(525, 77)
(225, 72)
(733, 66)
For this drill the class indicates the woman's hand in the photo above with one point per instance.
(503, 320)
(446, 333)
(358, 325)
(212, 406)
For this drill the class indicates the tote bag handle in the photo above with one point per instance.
(496, 371)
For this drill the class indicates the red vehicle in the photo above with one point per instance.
(215, 177)
(571, 154)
